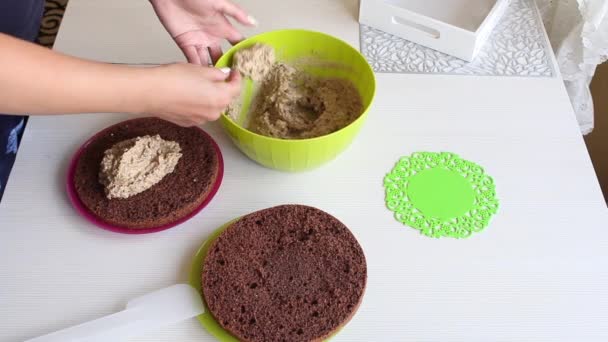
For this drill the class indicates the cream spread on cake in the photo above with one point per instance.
(135, 165)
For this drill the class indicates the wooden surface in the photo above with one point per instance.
(51, 21)
(538, 273)
(597, 141)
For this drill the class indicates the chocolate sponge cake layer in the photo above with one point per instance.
(288, 273)
(176, 196)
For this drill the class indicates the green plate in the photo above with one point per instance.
(206, 319)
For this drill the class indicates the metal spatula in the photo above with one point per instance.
(143, 314)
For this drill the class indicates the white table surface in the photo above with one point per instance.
(538, 273)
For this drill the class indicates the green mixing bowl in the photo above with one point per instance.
(332, 58)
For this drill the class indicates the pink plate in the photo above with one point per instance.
(84, 211)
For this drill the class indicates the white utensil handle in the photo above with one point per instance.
(144, 314)
(115, 327)
(414, 23)
(401, 21)
(409, 24)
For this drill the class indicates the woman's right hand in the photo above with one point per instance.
(190, 95)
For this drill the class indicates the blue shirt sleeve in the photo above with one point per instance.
(21, 19)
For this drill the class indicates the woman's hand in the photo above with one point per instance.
(199, 26)
(191, 95)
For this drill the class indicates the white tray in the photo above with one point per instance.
(456, 27)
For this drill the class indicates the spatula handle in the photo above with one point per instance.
(114, 327)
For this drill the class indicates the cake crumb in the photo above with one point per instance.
(291, 103)
(254, 62)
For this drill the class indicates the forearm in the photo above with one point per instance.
(35, 80)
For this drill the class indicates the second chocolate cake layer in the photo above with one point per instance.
(289, 273)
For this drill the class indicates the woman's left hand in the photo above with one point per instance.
(199, 26)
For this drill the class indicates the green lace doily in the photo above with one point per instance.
(441, 194)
